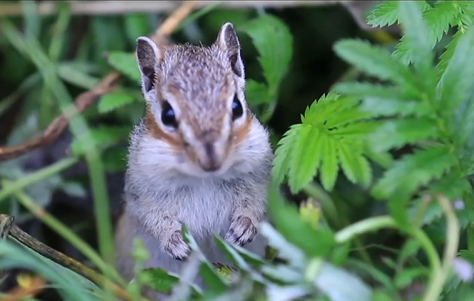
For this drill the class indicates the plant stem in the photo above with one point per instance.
(379, 222)
(37, 176)
(450, 250)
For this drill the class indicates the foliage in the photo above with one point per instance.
(396, 149)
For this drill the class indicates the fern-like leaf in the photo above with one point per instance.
(416, 37)
(456, 79)
(330, 137)
(397, 133)
(375, 61)
(383, 14)
(414, 170)
(281, 162)
(383, 100)
(387, 13)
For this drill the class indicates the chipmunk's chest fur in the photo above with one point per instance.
(205, 206)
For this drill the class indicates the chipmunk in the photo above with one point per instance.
(199, 156)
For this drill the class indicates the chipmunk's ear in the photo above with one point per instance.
(228, 42)
(148, 57)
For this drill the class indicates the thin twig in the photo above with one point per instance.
(121, 7)
(86, 99)
(8, 228)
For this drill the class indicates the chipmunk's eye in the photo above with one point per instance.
(167, 115)
(237, 109)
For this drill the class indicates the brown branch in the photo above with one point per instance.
(8, 228)
(121, 7)
(88, 98)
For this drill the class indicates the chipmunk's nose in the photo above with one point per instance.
(211, 160)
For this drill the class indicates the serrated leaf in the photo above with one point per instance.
(355, 165)
(383, 100)
(281, 162)
(375, 61)
(114, 100)
(457, 77)
(305, 157)
(383, 14)
(413, 171)
(446, 56)
(386, 13)
(416, 37)
(439, 19)
(125, 63)
(313, 145)
(329, 167)
(274, 43)
(397, 133)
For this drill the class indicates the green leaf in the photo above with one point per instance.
(257, 93)
(287, 221)
(306, 149)
(397, 133)
(341, 285)
(329, 166)
(327, 125)
(383, 14)
(386, 13)
(446, 56)
(281, 162)
(114, 100)
(416, 37)
(274, 43)
(439, 19)
(413, 171)
(355, 166)
(211, 278)
(374, 61)
(136, 24)
(159, 279)
(103, 137)
(457, 77)
(125, 63)
(383, 100)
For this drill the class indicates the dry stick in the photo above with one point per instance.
(121, 7)
(86, 99)
(8, 228)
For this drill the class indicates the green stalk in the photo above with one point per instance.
(379, 222)
(37, 176)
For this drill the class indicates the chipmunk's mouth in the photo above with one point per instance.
(207, 164)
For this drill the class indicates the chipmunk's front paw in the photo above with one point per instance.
(177, 247)
(242, 231)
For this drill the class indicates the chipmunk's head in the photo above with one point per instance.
(196, 109)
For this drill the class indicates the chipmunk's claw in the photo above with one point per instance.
(242, 231)
(177, 247)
